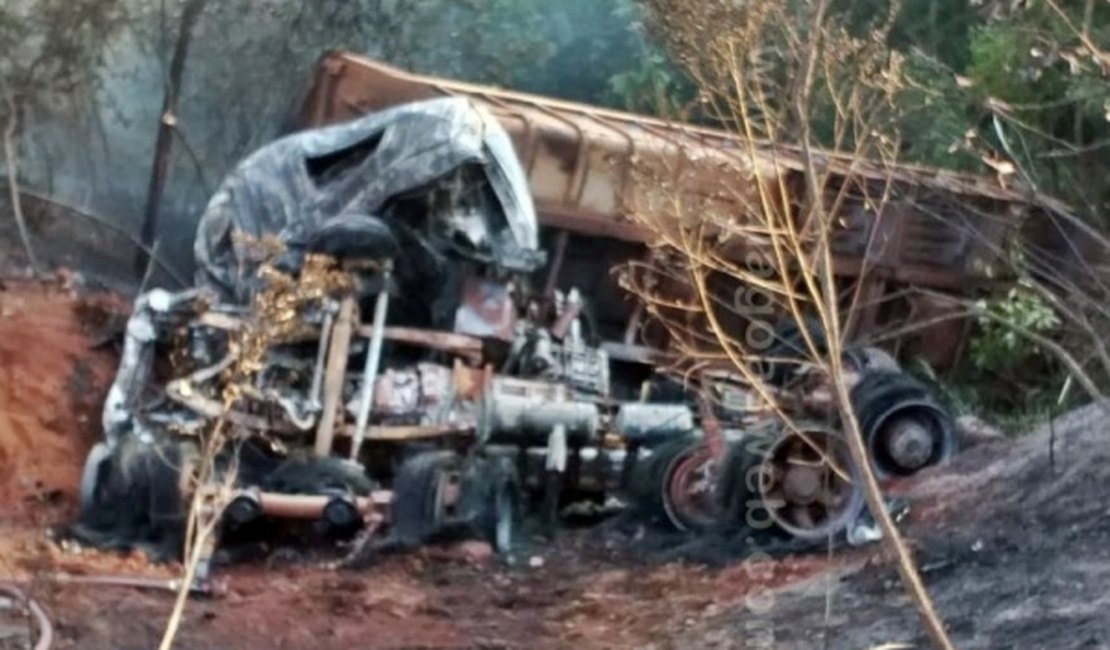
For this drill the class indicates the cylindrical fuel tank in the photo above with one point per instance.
(646, 423)
(525, 411)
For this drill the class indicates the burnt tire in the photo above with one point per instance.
(312, 475)
(905, 427)
(132, 497)
(657, 484)
(418, 511)
(737, 499)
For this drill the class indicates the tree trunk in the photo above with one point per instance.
(163, 146)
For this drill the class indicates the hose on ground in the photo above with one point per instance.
(42, 621)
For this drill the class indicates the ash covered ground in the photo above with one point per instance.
(1013, 540)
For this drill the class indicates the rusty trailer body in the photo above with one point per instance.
(940, 230)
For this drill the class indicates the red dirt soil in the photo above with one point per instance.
(53, 379)
(582, 597)
(52, 385)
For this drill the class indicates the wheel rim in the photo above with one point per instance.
(802, 492)
(689, 495)
(909, 437)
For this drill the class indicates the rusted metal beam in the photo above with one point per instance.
(460, 344)
(334, 374)
(556, 265)
(411, 432)
(311, 506)
(182, 393)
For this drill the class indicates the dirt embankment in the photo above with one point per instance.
(52, 382)
(53, 378)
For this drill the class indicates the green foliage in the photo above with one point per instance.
(1019, 82)
(656, 87)
(1010, 381)
(935, 29)
(935, 118)
(599, 53)
(1048, 96)
(999, 346)
(506, 40)
(1006, 65)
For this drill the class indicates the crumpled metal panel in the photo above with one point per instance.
(136, 361)
(273, 192)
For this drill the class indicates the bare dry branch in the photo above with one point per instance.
(12, 165)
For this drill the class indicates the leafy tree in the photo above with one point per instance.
(655, 87)
(1021, 89)
(998, 348)
(1042, 73)
(51, 49)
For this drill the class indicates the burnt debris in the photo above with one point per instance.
(366, 336)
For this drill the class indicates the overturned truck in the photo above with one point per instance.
(381, 342)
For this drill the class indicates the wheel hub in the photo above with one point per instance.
(909, 443)
(802, 484)
(691, 489)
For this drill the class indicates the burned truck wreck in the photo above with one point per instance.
(366, 340)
